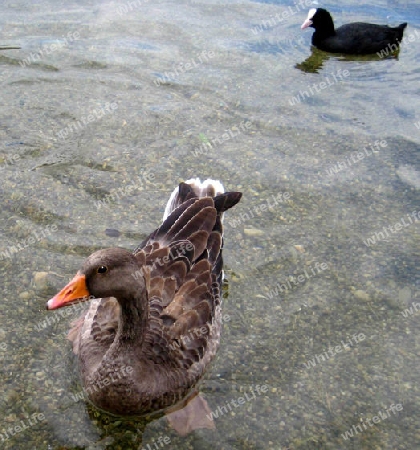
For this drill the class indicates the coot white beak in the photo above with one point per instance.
(308, 22)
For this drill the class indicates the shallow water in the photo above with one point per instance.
(322, 253)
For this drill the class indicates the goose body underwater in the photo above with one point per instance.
(154, 323)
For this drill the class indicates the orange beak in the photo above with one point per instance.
(75, 290)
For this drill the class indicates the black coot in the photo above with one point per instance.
(356, 38)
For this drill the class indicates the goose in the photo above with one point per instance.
(154, 320)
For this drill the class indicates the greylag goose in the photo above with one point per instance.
(153, 325)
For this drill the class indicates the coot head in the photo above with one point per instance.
(319, 18)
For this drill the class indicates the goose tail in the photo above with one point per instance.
(207, 188)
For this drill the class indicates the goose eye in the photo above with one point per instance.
(102, 269)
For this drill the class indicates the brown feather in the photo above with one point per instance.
(204, 220)
(214, 245)
(185, 323)
(180, 265)
(188, 215)
(199, 241)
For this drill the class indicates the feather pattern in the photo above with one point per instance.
(160, 311)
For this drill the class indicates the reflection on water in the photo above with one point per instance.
(316, 60)
(90, 184)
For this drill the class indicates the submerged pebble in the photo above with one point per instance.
(112, 232)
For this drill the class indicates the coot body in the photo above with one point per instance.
(356, 38)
